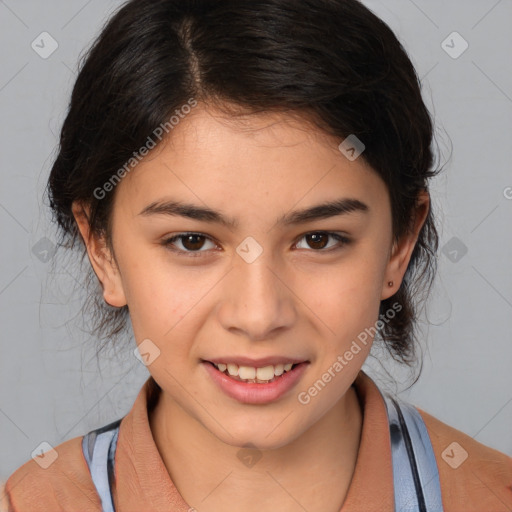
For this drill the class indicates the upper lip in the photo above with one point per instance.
(255, 363)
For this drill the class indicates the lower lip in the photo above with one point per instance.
(253, 393)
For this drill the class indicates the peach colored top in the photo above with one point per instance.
(483, 482)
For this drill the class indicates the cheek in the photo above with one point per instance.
(155, 295)
(345, 297)
(166, 301)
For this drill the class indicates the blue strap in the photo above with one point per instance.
(99, 448)
(415, 473)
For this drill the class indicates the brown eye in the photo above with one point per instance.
(318, 240)
(190, 243)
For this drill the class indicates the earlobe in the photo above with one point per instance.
(402, 250)
(396, 267)
(101, 258)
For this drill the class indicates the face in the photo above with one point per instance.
(257, 284)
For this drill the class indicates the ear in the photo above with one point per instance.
(101, 258)
(402, 251)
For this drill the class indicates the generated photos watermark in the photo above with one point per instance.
(304, 397)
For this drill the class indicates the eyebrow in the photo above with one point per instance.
(325, 210)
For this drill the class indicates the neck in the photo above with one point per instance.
(313, 472)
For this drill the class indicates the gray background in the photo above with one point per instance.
(51, 387)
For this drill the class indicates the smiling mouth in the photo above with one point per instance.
(249, 374)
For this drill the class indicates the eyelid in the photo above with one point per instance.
(341, 238)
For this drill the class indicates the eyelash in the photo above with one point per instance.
(194, 254)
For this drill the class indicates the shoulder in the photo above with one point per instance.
(61, 482)
(473, 476)
(3, 498)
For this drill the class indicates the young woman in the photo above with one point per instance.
(250, 183)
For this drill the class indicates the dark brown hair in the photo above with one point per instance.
(331, 60)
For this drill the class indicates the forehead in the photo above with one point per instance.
(252, 163)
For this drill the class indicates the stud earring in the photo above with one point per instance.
(390, 283)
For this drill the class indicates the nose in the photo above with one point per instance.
(258, 301)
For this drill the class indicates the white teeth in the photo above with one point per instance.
(232, 369)
(265, 373)
(250, 373)
(278, 369)
(246, 372)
